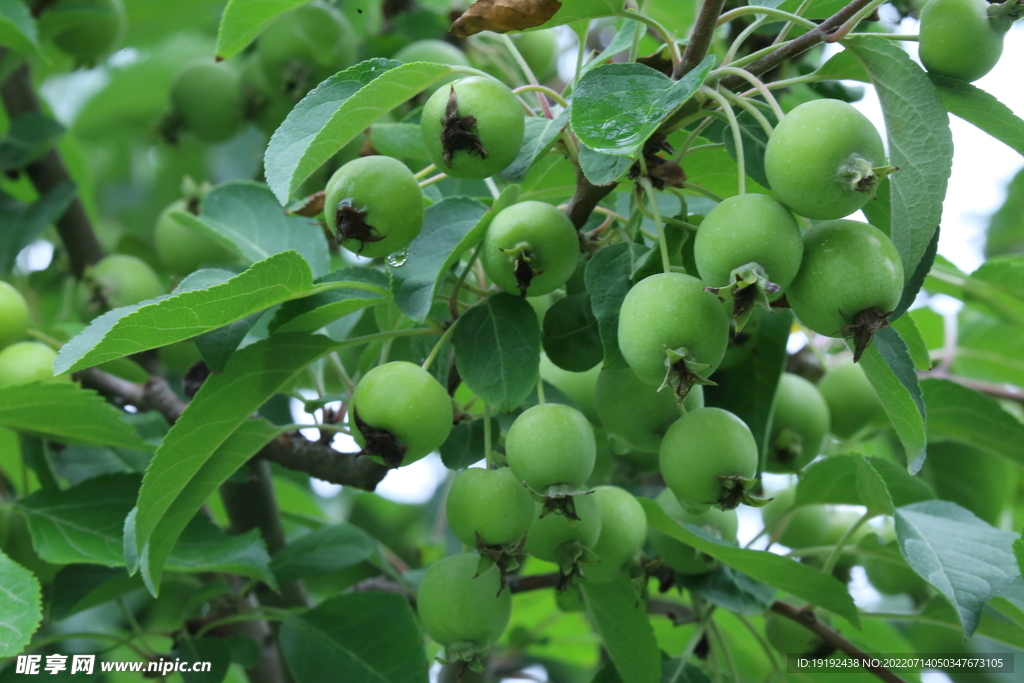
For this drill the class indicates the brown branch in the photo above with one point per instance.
(47, 172)
(798, 45)
(586, 197)
(831, 636)
(1001, 391)
(701, 37)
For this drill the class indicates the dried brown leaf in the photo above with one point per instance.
(502, 16)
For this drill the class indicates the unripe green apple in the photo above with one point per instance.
(85, 29)
(305, 46)
(489, 506)
(852, 401)
(799, 425)
(183, 250)
(25, 362)
(531, 248)
(684, 558)
(13, 314)
(623, 531)
(208, 97)
(115, 281)
(960, 39)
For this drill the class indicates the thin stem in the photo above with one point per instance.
(750, 108)
(492, 187)
(488, 455)
(542, 89)
(789, 24)
(454, 298)
(737, 135)
(662, 32)
(768, 650)
(687, 145)
(699, 189)
(852, 22)
(736, 44)
(339, 368)
(887, 36)
(770, 11)
(540, 391)
(419, 175)
(757, 83)
(527, 71)
(666, 262)
(837, 552)
(265, 614)
(437, 347)
(433, 179)
(724, 647)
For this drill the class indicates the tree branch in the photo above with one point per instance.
(798, 45)
(1002, 391)
(47, 172)
(831, 636)
(701, 37)
(290, 450)
(586, 197)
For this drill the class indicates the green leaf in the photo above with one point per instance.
(355, 637)
(399, 140)
(1005, 234)
(63, 412)
(24, 222)
(755, 140)
(244, 217)
(938, 612)
(216, 346)
(903, 487)
(323, 551)
(601, 168)
(988, 349)
(977, 107)
(964, 558)
(845, 480)
(783, 573)
(465, 443)
(748, 391)
(920, 144)
(236, 450)
(129, 330)
(728, 588)
(994, 288)
(221, 406)
(337, 110)
(78, 587)
(616, 107)
(1018, 552)
(214, 651)
(84, 524)
(621, 619)
(29, 136)
(843, 65)
(956, 412)
(974, 479)
(575, 10)
(23, 608)
(916, 346)
(361, 287)
(243, 20)
(497, 350)
(918, 277)
(890, 370)
(18, 28)
(449, 228)
(571, 337)
(538, 139)
(607, 279)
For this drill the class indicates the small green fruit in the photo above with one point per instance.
(25, 362)
(556, 538)
(399, 413)
(491, 506)
(959, 38)
(551, 445)
(115, 281)
(530, 248)
(375, 206)
(473, 128)
(852, 401)
(623, 531)
(208, 97)
(13, 314)
(684, 558)
(799, 425)
(183, 250)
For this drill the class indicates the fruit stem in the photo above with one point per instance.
(542, 89)
(527, 71)
(737, 136)
(440, 342)
(540, 390)
(751, 109)
(433, 179)
(663, 33)
(757, 83)
(764, 645)
(488, 456)
(419, 175)
(851, 23)
(645, 183)
(837, 552)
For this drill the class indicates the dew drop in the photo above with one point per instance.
(398, 259)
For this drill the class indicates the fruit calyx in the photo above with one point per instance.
(521, 255)
(558, 499)
(351, 224)
(468, 656)
(507, 558)
(858, 175)
(457, 132)
(381, 443)
(788, 446)
(863, 328)
(571, 555)
(1003, 15)
(682, 372)
(750, 287)
(736, 490)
